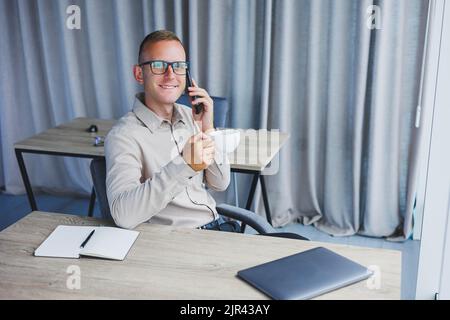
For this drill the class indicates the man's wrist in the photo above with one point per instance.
(207, 131)
(196, 167)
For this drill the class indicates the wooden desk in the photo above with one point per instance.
(72, 140)
(166, 263)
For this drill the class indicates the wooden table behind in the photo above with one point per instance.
(253, 153)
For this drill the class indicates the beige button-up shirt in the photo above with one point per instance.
(147, 178)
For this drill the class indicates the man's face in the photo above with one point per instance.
(165, 88)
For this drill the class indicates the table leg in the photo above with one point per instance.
(251, 194)
(236, 196)
(265, 199)
(92, 203)
(26, 180)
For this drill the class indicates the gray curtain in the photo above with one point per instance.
(348, 95)
(345, 93)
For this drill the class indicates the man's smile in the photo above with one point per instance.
(168, 86)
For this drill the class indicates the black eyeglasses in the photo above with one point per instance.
(161, 66)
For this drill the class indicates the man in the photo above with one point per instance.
(159, 156)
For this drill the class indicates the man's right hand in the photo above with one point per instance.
(198, 152)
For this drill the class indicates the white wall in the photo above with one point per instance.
(444, 289)
(433, 250)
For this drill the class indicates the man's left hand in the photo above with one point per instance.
(205, 118)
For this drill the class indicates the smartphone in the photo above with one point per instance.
(198, 108)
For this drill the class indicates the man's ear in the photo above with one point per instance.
(138, 74)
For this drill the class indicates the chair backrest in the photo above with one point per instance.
(98, 172)
(220, 109)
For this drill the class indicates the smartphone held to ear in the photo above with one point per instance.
(198, 108)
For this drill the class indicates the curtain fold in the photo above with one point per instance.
(346, 93)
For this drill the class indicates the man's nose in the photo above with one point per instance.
(169, 71)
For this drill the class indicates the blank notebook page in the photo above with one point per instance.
(111, 243)
(64, 242)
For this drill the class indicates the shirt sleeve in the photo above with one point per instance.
(131, 200)
(217, 175)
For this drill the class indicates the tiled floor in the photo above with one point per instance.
(13, 208)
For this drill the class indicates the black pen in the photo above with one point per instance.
(87, 239)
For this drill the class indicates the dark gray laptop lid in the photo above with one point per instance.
(304, 275)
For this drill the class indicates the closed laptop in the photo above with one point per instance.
(304, 275)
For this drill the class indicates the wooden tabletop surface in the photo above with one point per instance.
(167, 263)
(256, 149)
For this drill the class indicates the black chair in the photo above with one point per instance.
(98, 172)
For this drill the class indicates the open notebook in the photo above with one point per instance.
(105, 242)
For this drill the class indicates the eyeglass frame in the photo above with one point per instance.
(167, 66)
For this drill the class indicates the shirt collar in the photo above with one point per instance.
(151, 119)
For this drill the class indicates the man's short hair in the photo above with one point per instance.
(156, 36)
